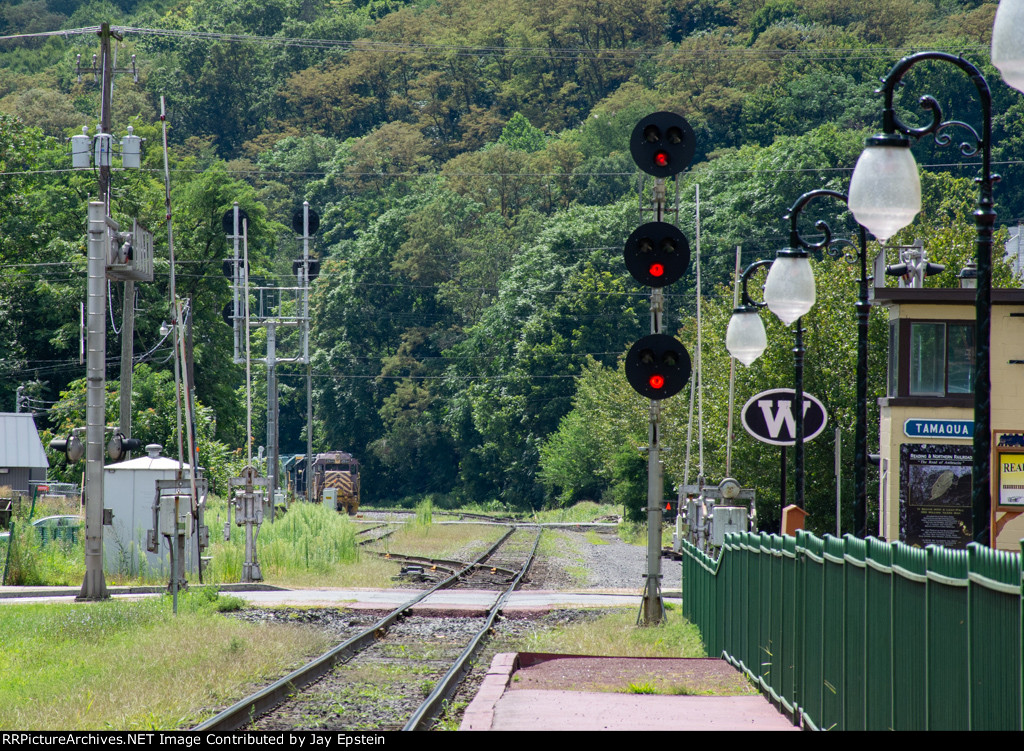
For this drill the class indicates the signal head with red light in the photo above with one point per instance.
(658, 366)
(662, 144)
(657, 254)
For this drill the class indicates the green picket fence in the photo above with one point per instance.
(853, 634)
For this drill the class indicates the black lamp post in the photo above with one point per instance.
(793, 294)
(885, 195)
(745, 339)
(863, 308)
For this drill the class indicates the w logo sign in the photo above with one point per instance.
(769, 417)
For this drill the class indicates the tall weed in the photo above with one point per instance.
(309, 538)
(424, 517)
(32, 562)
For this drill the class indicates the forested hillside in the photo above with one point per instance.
(468, 160)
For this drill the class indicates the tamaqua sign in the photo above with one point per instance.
(917, 427)
(768, 417)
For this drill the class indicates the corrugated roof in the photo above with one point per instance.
(19, 442)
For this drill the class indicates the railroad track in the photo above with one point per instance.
(373, 513)
(376, 533)
(404, 667)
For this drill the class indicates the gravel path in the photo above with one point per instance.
(610, 565)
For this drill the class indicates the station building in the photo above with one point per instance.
(927, 417)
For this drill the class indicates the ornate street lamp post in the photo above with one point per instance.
(885, 195)
(789, 292)
(863, 308)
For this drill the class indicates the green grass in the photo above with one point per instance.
(557, 546)
(424, 517)
(585, 511)
(616, 633)
(132, 665)
(633, 533)
(641, 688)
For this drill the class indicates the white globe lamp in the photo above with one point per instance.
(885, 190)
(1008, 42)
(745, 337)
(789, 289)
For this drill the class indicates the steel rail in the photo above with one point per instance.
(443, 563)
(238, 715)
(432, 706)
(382, 536)
(441, 512)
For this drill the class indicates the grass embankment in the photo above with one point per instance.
(585, 511)
(134, 665)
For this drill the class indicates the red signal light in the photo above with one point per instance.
(656, 381)
(656, 269)
(661, 158)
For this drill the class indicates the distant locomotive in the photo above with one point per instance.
(336, 480)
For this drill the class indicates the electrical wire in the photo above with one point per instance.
(603, 54)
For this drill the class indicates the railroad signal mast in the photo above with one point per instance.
(271, 313)
(657, 365)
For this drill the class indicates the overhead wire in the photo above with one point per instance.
(539, 52)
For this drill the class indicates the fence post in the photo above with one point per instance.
(833, 635)
(948, 702)
(910, 632)
(878, 635)
(993, 624)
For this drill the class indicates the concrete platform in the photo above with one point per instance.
(496, 707)
(467, 601)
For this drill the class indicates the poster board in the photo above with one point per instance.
(935, 495)
(1009, 470)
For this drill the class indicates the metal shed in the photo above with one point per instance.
(129, 489)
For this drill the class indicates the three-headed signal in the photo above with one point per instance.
(658, 254)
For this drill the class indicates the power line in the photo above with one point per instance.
(608, 54)
(705, 171)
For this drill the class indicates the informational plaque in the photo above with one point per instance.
(1011, 477)
(935, 495)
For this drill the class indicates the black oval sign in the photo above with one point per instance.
(768, 417)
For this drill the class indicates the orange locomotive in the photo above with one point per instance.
(336, 477)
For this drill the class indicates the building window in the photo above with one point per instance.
(960, 359)
(931, 358)
(927, 359)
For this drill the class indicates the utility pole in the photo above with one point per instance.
(271, 314)
(306, 269)
(132, 261)
(94, 586)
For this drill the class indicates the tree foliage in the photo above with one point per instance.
(469, 163)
